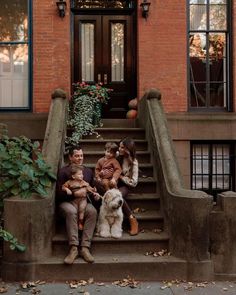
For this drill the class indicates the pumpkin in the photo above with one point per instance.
(131, 114)
(133, 103)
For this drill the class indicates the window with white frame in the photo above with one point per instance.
(209, 47)
(212, 166)
(14, 54)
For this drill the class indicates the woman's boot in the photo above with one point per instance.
(133, 226)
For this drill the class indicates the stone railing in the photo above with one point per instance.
(186, 212)
(32, 220)
(223, 236)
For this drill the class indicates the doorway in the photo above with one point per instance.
(105, 52)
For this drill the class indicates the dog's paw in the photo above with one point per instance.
(116, 236)
(105, 234)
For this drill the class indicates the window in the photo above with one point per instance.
(14, 55)
(208, 63)
(212, 166)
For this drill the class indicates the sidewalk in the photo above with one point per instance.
(124, 287)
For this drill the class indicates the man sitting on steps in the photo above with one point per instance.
(70, 212)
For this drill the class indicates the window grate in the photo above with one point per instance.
(212, 167)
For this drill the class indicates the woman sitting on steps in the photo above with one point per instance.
(128, 178)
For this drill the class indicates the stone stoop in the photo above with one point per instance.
(107, 267)
(115, 258)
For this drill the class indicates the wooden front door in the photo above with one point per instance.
(104, 51)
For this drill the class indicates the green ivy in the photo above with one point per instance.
(22, 168)
(8, 237)
(85, 110)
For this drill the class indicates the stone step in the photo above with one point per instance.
(91, 157)
(119, 123)
(106, 267)
(145, 185)
(142, 243)
(149, 220)
(120, 133)
(98, 144)
(143, 202)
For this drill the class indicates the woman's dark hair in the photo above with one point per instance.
(129, 144)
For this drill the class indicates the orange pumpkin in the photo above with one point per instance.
(133, 103)
(131, 114)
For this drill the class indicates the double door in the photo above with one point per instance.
(104, 52)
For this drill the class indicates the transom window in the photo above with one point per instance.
(103, 4)
(209, 39)
(212, 167)
(14, 54)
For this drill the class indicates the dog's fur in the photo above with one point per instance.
(111, 216)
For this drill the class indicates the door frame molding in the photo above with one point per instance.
(92, 11)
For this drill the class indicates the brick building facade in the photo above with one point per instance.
(160, 59)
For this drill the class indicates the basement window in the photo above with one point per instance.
(212, 167)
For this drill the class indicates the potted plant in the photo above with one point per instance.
(85, 109)
(23, 172)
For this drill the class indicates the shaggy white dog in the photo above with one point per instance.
(111, 216)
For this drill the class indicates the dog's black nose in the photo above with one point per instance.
(120, 203)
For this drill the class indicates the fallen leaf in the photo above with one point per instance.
(100, 284)
(86, 293)
(3, 289)
(41, 282)
(35, 291)
(73, 285)
(127, 282)
(90, 280)
(164, 287)
(202, 285)
(225, 289)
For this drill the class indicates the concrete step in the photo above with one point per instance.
(107, 267)
(119, 133)
(145, 185)
(119, 123)
(91, 157)
(143, 202)
(97, 144)
(149, 220)
(144, 242)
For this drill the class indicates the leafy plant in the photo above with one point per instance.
(8, 237)
(22, 168)
(97, 91)
(85, 110)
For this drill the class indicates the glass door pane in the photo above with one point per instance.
(87, 51)
(117, 52)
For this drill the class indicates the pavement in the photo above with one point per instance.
(123, 287)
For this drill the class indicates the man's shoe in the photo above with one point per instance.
(86, 255)
(70, 258)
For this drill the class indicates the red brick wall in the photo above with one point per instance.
(162, 53)
(51, 53)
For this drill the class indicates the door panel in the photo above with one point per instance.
(104, 52)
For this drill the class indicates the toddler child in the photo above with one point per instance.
(77, 186)
(108, 170)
